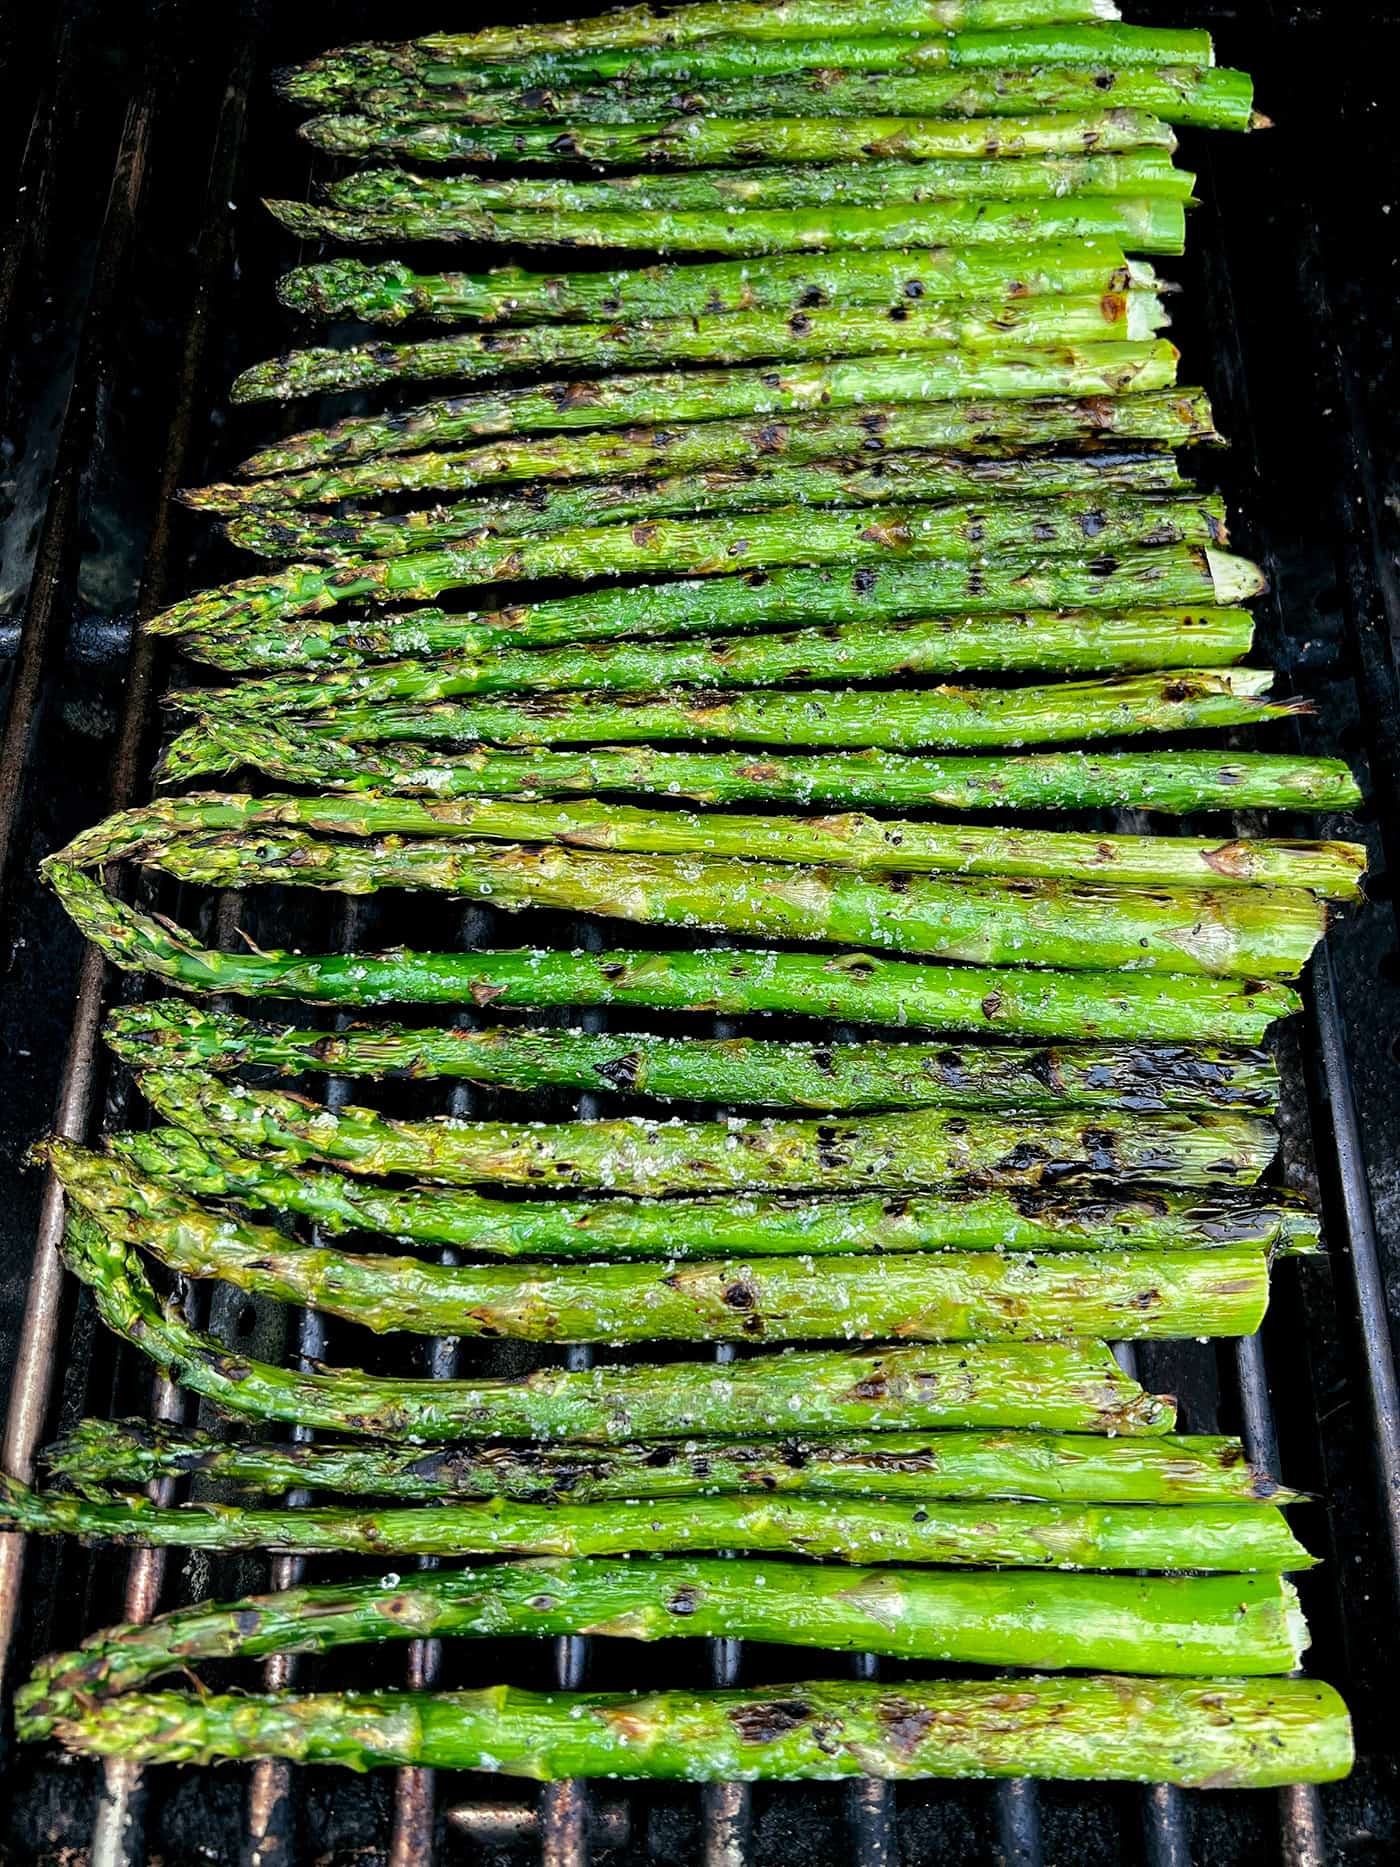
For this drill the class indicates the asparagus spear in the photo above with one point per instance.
(817, 484)
(1203, 96)
(1063, 641)
(854, 177)
(679, 395)
(907, 719)
(813, 482)
(1163, 574)
(712, 543)
(1144, 223)
(1330, 870)
(773, 457)
(171, 1034)
(1114, 47)
(1245, 1733)
(967, 1218)
(860, 987)
(998, 427)
(636, 1155)
(735, 337)
(640, 25)
(1064, 1467)
(1082, 1536)
(389, 290)
(1241, 932)
(1174, 782)
(953, 1617)
(1092, 138)
(960, 1296)
(1047, 1386)
(343, 72)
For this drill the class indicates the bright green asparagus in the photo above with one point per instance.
(906, 719)
(874, 844)
(958, 1296)
(1203, 96)
(732, 338)
(1025, 372)
(784, 284)
(635, 1155)
(1123, 143)
(1064, 1467)
(1052, 1536)
(1114, 47)
(1163, 574)
(711, 543)
(1175, 782)
(971, 1618)
(1204, 1733)
(346, 69)
(857, 987)
(173, 1034)
(1142, 223)
(855, 177)
(967, 1218)
(1045, 1386)
(1230, 931)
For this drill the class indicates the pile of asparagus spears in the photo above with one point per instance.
(908, 416)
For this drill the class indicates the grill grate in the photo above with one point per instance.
(132, 281)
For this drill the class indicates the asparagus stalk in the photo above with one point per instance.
(1028, 371)
(967, 1219)
(953, 1617)
(855, 177)
(1330, 870)
(1230, 931)
(1075, 1536)
(814, 482)
(735, 337)
(1113, 47)
(344, 72)
(1161, 575)
(1093, 139)
(1193, 700)
(388, 290)
(627, 1155)
(1062, 641)
(872, 647)
(1247, 1733)
(1045, 1386)
(775, 456)
(1175, 782)
(171, 1034)
(1143, 223)
(712, 543)
(960, 1296)
(640, 26)
(1203, 96)
(858, 987)
(1064, 1468)
(1134, 432)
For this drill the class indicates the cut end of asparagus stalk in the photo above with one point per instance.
(1236, 579)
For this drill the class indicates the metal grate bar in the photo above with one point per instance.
(1361, 1253)
(1300, 1808)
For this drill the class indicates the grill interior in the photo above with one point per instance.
(135, 279)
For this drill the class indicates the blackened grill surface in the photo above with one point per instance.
(135, 279)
